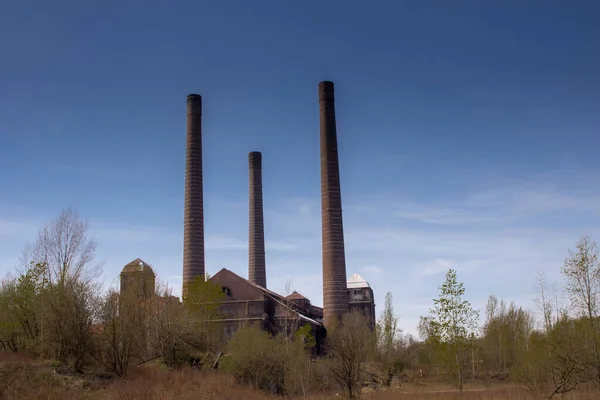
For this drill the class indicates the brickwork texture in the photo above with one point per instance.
(193, 224)
(335, 292)
(256, 233)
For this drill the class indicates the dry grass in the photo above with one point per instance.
(22, 377)
(149, 384)
(497, 392)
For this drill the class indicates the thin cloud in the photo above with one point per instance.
(14, 227)
(372, 269)
(482, 235)
(436, 267)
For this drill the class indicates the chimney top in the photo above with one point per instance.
(255, 160)
(194, 97)
(326, 91)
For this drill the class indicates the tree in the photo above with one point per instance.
(121, 323)
(582, 271)
(257, 358)
(20, 300)
(202, 307)
(349, 346)
(506, 334)
(69, 299)
(562, 356)
(553, 362)
(63, 245)
(388, 341)
(298, 368)
(454, 322)
(388, 326)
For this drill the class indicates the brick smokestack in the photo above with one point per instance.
(193, 224)
(256, 242)
(335, 291)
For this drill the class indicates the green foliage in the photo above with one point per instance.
(257, 359)
(304, 336)
(389, 343)
(201, 302)
(272, 364)
(555, 363)
(387, 327)
(22, 311)
(582, 271)
(203, 298)
(506, 334)
(452, 328)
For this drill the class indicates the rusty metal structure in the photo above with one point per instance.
(335, 291)
(257, 273)
(193, 224)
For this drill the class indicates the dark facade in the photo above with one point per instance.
(257, 273)
(193, 223)
(139, 277)
(335, 296)
(248, 303)
(361, 299)
(248, 300)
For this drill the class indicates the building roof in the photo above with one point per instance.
(137, 265)
(295, 296)
(356, 281)
(275, 296)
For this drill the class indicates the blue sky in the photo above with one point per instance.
(467, 135)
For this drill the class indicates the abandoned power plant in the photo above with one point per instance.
(248, 299)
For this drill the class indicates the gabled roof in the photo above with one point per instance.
(275, 296)
(356, 281)
(224, 272)
(137, 265)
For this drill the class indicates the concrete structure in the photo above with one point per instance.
(360, 298)
(193, 223)
(335, 296)
(257, 273)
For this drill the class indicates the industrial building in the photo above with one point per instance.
(248, 300)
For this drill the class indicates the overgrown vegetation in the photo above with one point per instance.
(54, 315)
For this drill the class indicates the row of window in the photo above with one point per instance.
(230, 311)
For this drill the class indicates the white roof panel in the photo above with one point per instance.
(356, 281)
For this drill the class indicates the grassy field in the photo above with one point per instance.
(23, 378)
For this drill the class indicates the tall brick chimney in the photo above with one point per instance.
(335, 291)
(193, 223)
(256, 241)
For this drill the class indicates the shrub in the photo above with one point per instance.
(257, 359)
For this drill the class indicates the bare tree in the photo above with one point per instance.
(543, 302)
(64, 246)
(350, 346)
(582, 271)
(121, 322)
(70, 295)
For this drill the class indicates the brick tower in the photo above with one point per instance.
(335, 291)
(256, 241)
(193, 223)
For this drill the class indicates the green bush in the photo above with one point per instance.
(256, 359)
